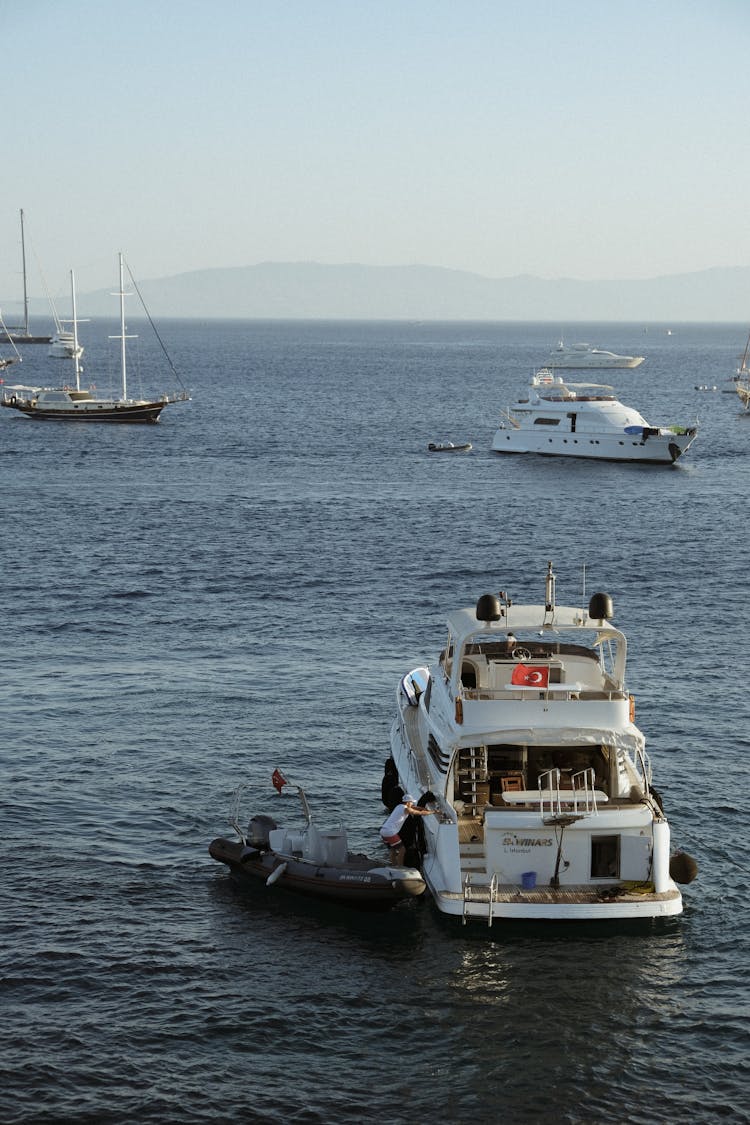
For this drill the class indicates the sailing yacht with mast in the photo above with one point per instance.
(72, 404)
(740, 382)
(22, 335)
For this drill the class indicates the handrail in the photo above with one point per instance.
(583, 792)
(554, 795)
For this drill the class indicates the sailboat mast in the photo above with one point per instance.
(122, 332)
(25, 293)
(77, 359)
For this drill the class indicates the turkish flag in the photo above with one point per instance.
(278, 779)
(530, 675)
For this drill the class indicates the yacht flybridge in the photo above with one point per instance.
(524, 732)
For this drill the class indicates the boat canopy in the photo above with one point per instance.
(628, 738)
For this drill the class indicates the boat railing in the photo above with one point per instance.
(235, 809)
(580, 798)
(506, 418)
(534, 692)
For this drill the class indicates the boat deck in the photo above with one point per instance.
(573, 895)
(470, 829)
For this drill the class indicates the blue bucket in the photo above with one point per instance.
(528, 880)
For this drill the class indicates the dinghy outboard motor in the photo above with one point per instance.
(601, 608)
(488, 608)
(259, 829)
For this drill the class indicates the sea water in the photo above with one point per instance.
(188, 606)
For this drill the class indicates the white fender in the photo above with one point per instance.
(275, 874)
(660, 859)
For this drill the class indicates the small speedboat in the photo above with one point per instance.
(313, 861)
(448, 447)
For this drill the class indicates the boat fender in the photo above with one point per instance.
(275, 874)
(459, 710)
(682, 867)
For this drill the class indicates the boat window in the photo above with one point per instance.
(546, 421)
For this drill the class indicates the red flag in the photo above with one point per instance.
(278, 779)
(530, 675)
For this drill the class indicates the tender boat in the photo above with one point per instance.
(563, 419)
(524, 731)
(72, 403)
(314, 861)
(584, 355)
(448, 447)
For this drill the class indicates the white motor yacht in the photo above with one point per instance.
(584, 355)
(564, 419)
(64, 345)
(523, 732)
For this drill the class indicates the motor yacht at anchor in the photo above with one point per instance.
(562, 419)
(64, 345)
(582, 356)
(524, 733)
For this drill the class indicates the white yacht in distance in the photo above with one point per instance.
(64, 345)
(562, 419)
(584, 355)
(522, 739)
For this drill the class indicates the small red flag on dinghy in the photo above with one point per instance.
(278, 779)
(529, 675)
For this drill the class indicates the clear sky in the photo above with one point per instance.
(560, 138)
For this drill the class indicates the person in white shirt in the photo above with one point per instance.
(391, 828)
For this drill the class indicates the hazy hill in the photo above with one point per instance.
(311, 290)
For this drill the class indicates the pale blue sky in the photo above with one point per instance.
(561, 138)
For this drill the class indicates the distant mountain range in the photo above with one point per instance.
(309, 290)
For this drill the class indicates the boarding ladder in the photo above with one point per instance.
(483, 892)
(473, 772)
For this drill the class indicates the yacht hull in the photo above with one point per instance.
(107, 412)
(652, 451)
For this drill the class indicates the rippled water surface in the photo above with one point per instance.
(189, 605)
